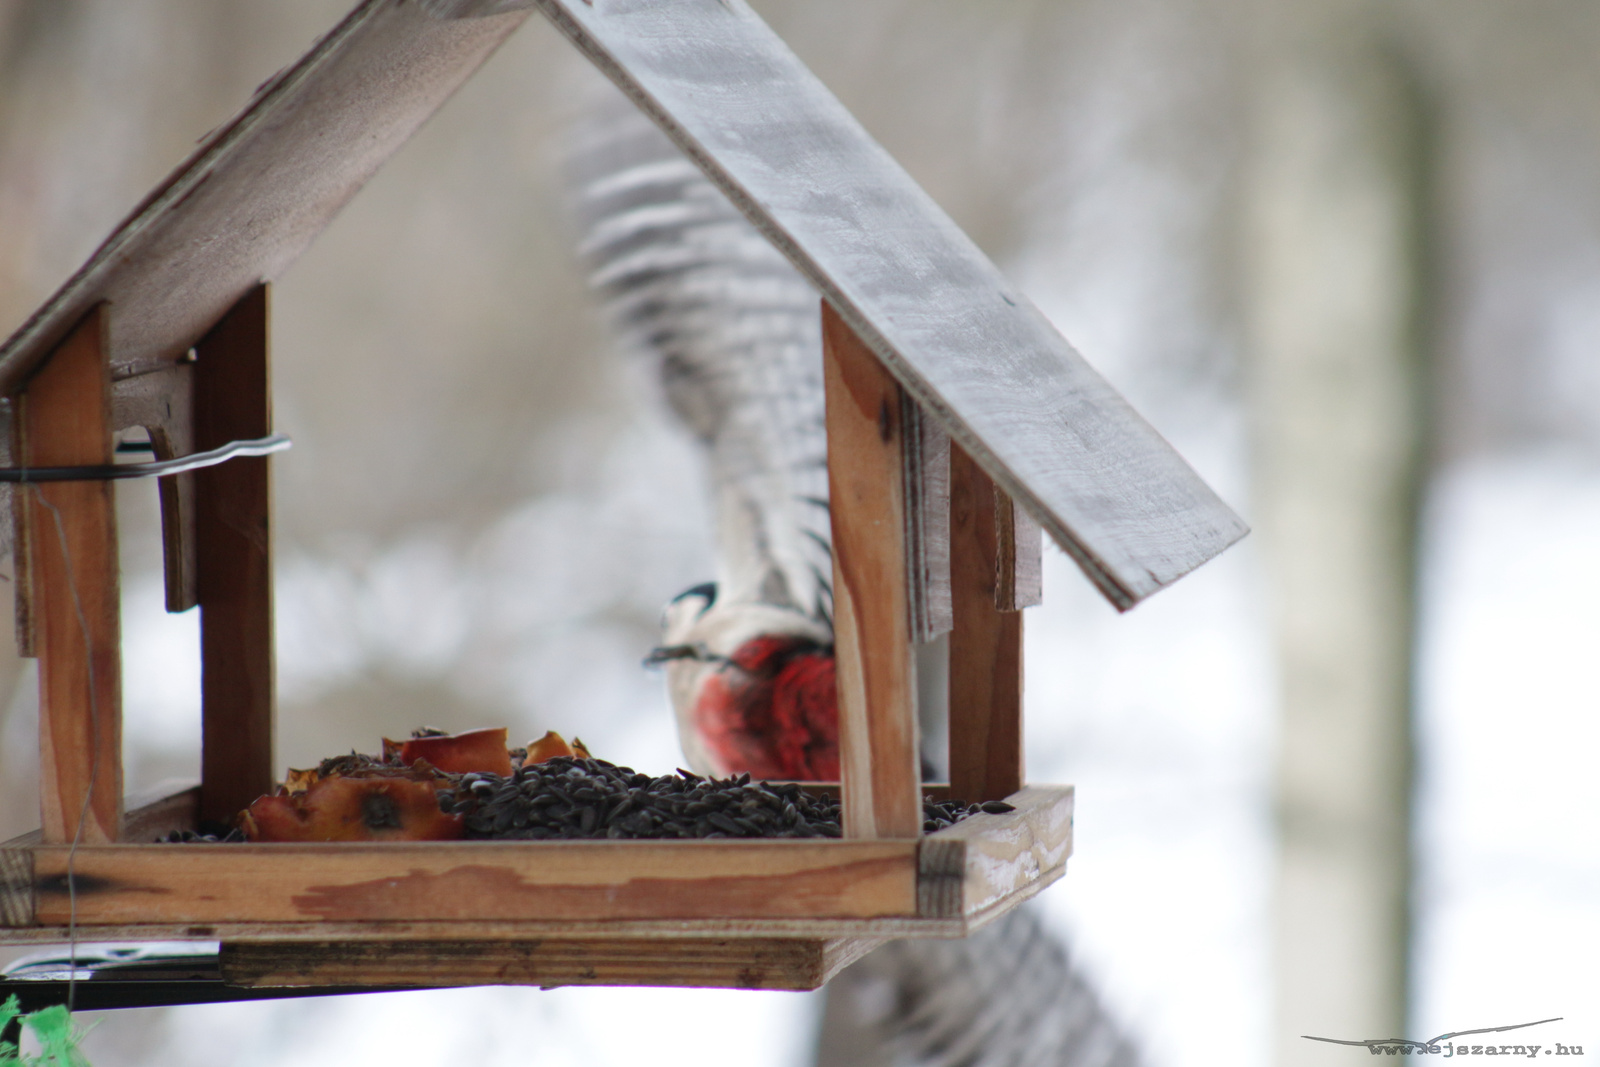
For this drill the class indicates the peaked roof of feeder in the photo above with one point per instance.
(956, 334)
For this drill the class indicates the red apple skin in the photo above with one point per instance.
(483, 751)
(353, 809)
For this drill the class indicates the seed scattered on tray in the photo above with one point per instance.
(569, 798)
(439, 786)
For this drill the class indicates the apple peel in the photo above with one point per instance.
(368, 808)
(483, 751)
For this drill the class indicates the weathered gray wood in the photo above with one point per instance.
(472, 9)
(972, 866)
(927, 489)
(261, 188)
(957, 335)
(960, 338)
(1019, 579)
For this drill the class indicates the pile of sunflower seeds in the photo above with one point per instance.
(570, 797)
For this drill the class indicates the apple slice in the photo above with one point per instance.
(377, 808)
(483, 751)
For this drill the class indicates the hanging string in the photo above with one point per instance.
(261, 446)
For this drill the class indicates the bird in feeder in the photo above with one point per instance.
(735, 334)
(749, 658)
(767, 705)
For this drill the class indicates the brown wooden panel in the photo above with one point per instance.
(147, 815)
(878, 765)
(150, 818)
(65, 411)
(233, 401)
(486, 881)
(735, 963)
(986, 758)
(162, 402)
(983, 861)
(16, 887)
(894, 926)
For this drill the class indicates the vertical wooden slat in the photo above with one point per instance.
(927, 482)
(1019, 569)
(879, 770)
(65, 412)
(162, 403)
(986, 642)
(233, 401)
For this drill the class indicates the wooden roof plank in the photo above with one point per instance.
(970, 347)
(262, 186)
(972, 350)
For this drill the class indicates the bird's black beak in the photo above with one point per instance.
(706, 590)
(667, 653)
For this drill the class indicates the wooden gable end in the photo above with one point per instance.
(970, 348)
(262, 186)
(961, 339)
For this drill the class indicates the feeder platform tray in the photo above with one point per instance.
(781, 914)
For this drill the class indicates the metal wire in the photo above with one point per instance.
(261, 446)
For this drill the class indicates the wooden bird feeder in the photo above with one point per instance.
(959, 423)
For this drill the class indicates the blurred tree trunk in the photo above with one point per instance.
(1335, 287)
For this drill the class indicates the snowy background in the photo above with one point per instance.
(484, 510)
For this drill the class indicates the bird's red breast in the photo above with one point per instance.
(772, 711)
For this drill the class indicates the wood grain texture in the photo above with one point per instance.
(961, 338)
(1019, 569)
(505, 881)
(471, 9)
(878, 760)
(169, 806)
(984, 861)
(899, 926)
(258, 191)
(73, 572)
(927, 482)
(986, 738)
(16, 887)
(162, 402)
(233, 509)
(945, 885)
(737, 963)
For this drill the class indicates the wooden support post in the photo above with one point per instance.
(73, 600)
(879, 769)
(233, 401)
(162, 403)
(986, 642)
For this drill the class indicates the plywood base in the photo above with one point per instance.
(717, 912)
(721, 963)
